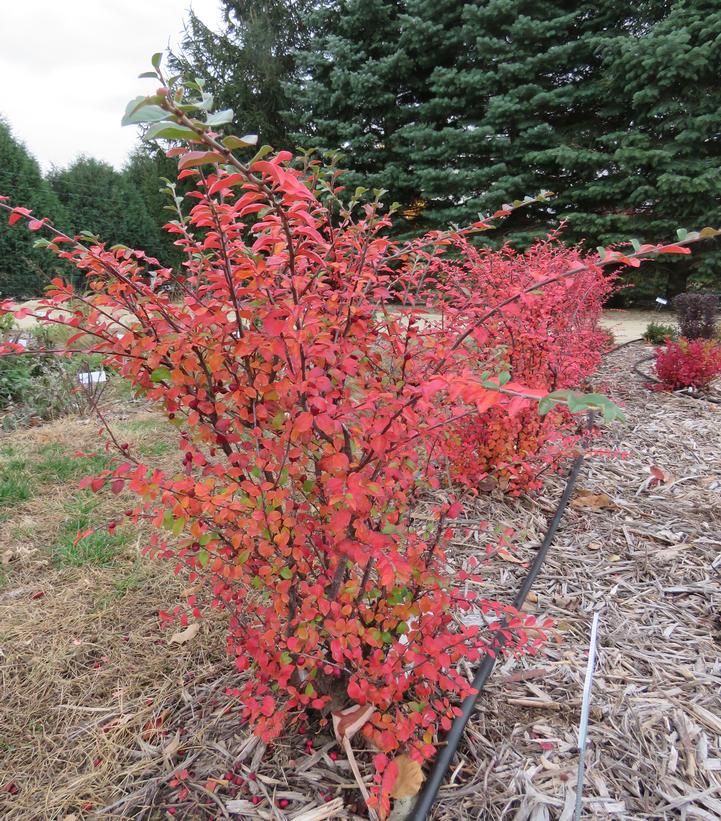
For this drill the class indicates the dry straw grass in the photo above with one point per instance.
(101, 713)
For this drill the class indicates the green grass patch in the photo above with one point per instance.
(22, 478)
(98, 547)
(157, 448)
(57, 464)
(15, 483)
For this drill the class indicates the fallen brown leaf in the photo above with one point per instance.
(410, 777)
(660, 475)
(346, 723)
(508, 557)
(190, 632)
(594, 501)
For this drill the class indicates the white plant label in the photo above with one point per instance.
(92, 377)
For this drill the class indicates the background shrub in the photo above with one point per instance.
(658, 332)
(688, 363)
(697, 314)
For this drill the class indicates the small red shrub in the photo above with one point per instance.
(688, 364)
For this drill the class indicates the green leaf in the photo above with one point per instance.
(220, 117)
(156, 59)
(203, 558)
(168, 519)
(160, 374)
(206, 103)
(682, 234)
(247, 141)
(146, 74)
(263, 151)
(195, 158)
(309, 690)
(286, 573)
(169, 131)
(178, 526)
(138, 111)
(286, 658)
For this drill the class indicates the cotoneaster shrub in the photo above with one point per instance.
(549, 344)
(688, 363)
(312, 400)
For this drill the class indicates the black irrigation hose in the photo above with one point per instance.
(652, 378)
(427, 798)
(624, 344)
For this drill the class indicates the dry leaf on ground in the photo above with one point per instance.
(508, 557)
(190, 632)
(410, 777)
(593, 501)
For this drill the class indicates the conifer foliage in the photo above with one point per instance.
(23, 271)
(458, 107)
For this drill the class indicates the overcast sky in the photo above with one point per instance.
(69, 67)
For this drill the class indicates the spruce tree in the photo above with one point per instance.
(248, 64)
(666, 160)
(23, 270)
(99, 199)
(459, 107)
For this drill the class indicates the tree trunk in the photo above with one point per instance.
(677, 281)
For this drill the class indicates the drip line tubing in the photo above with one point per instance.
(427, 798)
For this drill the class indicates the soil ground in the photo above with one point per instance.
(103, 716)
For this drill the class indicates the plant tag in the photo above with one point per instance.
(92, 377)
(661, 300)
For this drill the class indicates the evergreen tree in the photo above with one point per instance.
(459, 107)
(23, 270)
(104, 202)
(666, 160)
(358, 90)
(146, 172)
(248, 64)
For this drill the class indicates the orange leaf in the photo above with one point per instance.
(409, 779)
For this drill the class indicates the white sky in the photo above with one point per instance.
(68, 68)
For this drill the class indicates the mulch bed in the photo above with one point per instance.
(149, 728)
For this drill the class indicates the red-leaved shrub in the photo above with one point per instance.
(688, 363)
(313, 396)
(550, 343)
